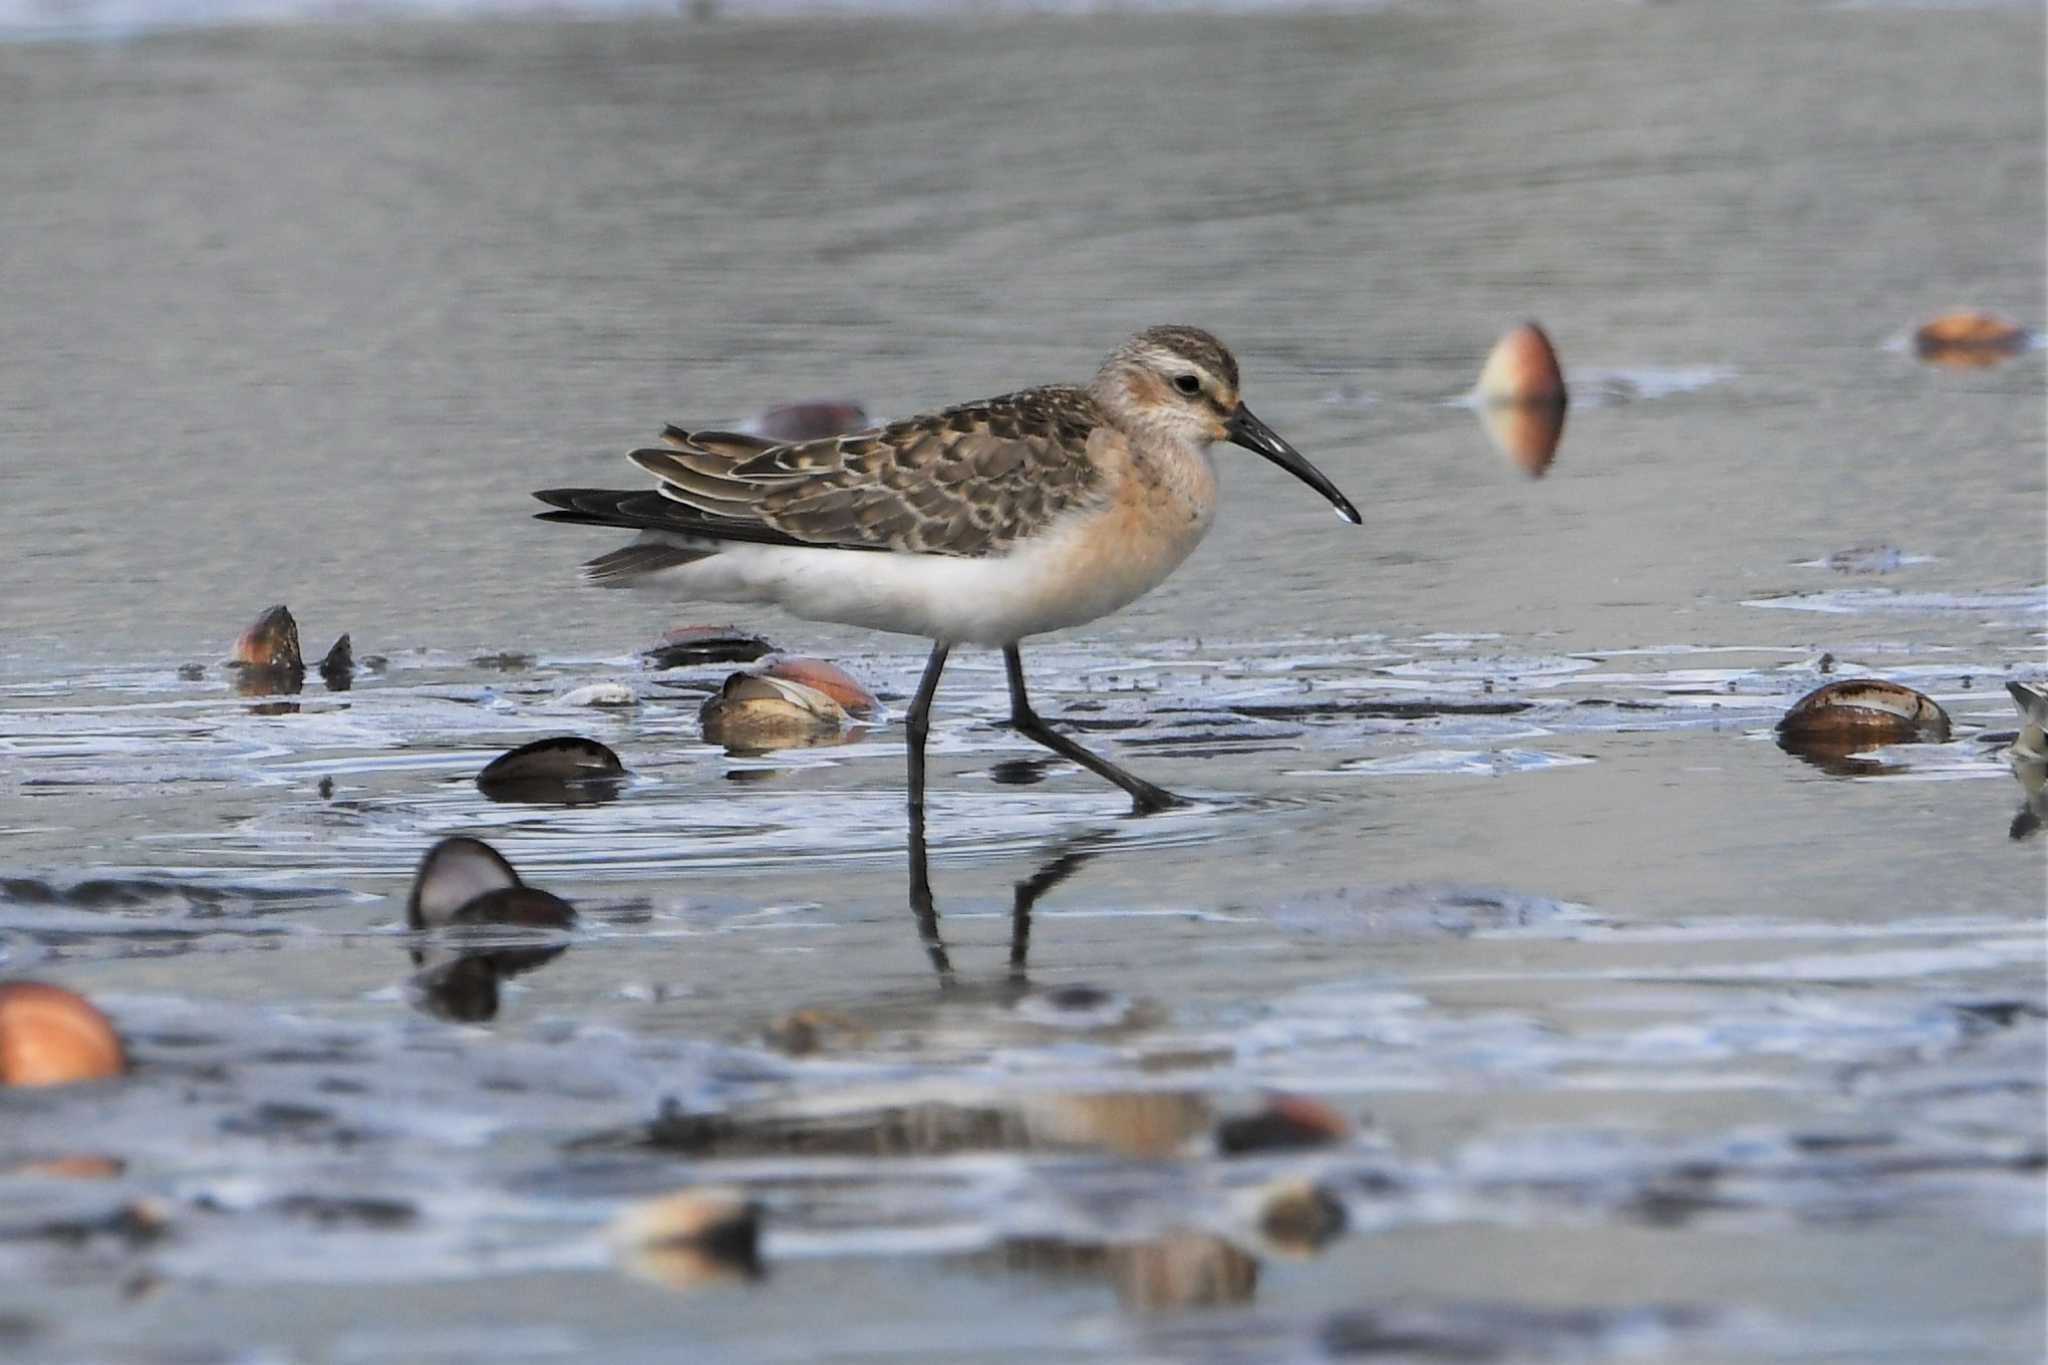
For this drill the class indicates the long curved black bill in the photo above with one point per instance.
(1248, 431)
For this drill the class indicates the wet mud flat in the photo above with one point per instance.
(1509, 993)
(1490, 1004)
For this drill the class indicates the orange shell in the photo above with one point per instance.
(1522, 368)
(1866, 708)
(829, 678)
(50, 1036)
(1969, 339)
(273, 642)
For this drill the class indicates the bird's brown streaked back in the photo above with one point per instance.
(970, 480)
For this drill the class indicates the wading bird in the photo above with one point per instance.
(983, 523)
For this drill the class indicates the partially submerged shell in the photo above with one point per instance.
(2030, 745)
(562, 768)
(690, 1238)
(273, 642)
(1522, 398)
(2028, 757)
(266, 658)
(453, 873)
(689, 645)
(338, 665)
(1970, 339)
(829, 678)
(1283, 1123)
(51, 1036)
(465, 883)
(754, 713)
(1844, 717)
(1522, 368)
(604, 694)
(1297, 1218)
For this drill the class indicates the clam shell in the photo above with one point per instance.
(51, 1036)
(688, 645)
(1866, 710)
(273, 642)
(1970, 339)
(1522, 368)
(754, 712)
(692, 1237)
(829, 678)
(453, 873)
(562, 768)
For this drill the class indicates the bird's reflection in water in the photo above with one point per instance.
(1161, 1258)
(1177, 1268)
(1176, 1271)
(1067, 857)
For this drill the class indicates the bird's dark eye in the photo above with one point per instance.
(1187, 384)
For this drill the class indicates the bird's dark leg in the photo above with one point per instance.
(1145, 798)
(916, 726)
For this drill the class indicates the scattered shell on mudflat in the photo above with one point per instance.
(1864, 712)
(2028, 757)
(1298, 1218)
(51, 1036)
(1522, 398)
(266, 657)
(829, 678)
(1970, 339)
(338, 665)
(272, 642)
(465, 881)
(686, 646)
(2030, 745)
(755, 713)
(1282, 1123)
(608, 694)
(807, 1032)
(562, 768)
(1522, 368)
(693, 1237)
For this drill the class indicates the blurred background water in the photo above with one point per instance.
(1653, 1040)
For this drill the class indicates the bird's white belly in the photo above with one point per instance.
(1079, 570)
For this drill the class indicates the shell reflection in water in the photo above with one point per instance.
(1174, 1271)
(1522, 399)
(1175, 1268)
(462, 884)
(1832, 724)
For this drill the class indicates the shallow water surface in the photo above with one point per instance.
(1646, 1037)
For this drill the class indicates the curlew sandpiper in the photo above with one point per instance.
(980, 524)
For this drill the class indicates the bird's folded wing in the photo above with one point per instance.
(970, 480)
